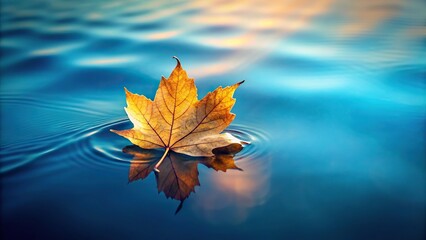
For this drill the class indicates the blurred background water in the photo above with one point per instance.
(334, 103)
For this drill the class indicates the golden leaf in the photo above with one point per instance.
(176, 120)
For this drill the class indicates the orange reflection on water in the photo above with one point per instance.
(236, 192)
(162, 35)
(364, 16)
(260, 27)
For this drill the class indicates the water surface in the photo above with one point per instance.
(334, 105)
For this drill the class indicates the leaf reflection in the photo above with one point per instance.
(178, 174)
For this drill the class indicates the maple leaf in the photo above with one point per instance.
(178, 175)
(176, 120)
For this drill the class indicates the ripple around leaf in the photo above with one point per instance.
(93, 146)
(99, 148)
(258, 141)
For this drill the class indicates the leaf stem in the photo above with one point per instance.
(161, 160)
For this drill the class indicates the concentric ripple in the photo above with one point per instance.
(90, 143)
(40, 128)
(99, 148)
(256, 138)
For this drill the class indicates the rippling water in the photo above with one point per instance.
(334, 104)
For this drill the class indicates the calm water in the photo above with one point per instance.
(334, 104)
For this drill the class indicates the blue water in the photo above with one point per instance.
(334, 104)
